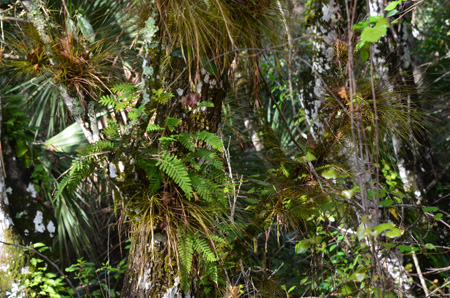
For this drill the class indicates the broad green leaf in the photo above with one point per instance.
(348, 194)
(86, 28)
(438, 216)
(358, 275)
(206, 104)
(373, 34)
(210, 67)
(329, 174)
(392, 13)
(392, 5)
(302, 246)
(430, 209)
(38, 244)
(386, 203)
(430, 246)
(404, 248)
(360, 25)
(383, 227)
(309, 157)
(395, 233)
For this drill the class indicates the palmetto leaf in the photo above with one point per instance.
(67, 140)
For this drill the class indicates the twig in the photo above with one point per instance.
(46, 259)
(419, 272)
(281, 113)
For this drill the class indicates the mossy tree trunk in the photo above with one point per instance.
(152, 271)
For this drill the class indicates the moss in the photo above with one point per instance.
(12, 260)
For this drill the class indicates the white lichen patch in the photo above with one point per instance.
(206, 79)
(199, 87)
(179, 91)
(112, 170)
(38, 222)
(51, 228)
(32, 190)
(121, 166)
(329, 11)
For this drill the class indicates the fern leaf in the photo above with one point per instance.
(187, 141)
(153, 127)
(108, 100)
(210, 139)
(176, 170)
(203, 248)
(206, 188)
(186, 253)
(172, 123)
(210, 157)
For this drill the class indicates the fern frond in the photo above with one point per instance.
(125, 88)
(108, 100)
(204, 187)
(202, 247)
(186, 253)
(210, 139)
(187, 141)
(176, 170)
(153, 127)
(210, 157)
(210, 271)
(190, 160)
(217, 175)
(172, 123)
(161, 97)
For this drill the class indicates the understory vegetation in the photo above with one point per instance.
(217, 148)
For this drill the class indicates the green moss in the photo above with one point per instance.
(13, 260)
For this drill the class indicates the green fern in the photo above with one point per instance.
(176, 170)
(111, 131)
(186, 255)
(203, 248)
(210, 157)
(153, 174)
(204, 187)
(161, 97)
(210, 139)
(153, 127)
(186, 140)
(172, 123)
(125, 89)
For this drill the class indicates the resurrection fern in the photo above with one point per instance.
(111, 131)
(176, 170)
(124, 95)
(160, 96)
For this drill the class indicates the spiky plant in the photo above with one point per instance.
(77, 53)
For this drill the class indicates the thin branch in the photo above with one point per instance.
(47, 260)
(3, 18)
(281, 113)
(419, 272)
